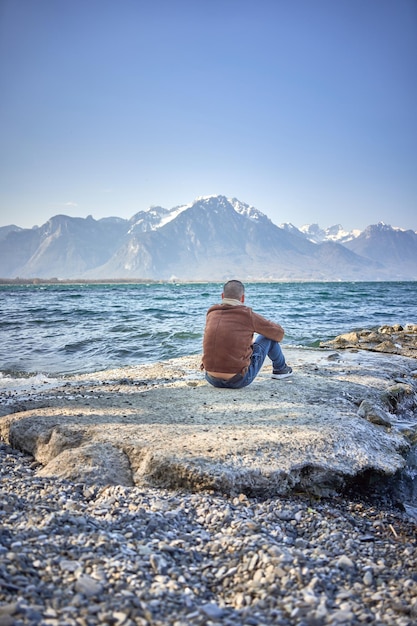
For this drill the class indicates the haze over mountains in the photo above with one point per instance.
(212, 239)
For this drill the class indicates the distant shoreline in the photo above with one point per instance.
(152, 281)
(77, 281)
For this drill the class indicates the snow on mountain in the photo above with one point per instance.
(216, 202)
(246, 210)
(173, 213)
(156, 217)
(404, 230)
(290, 228)
(381, 227)
(150, 219)
(336, 233)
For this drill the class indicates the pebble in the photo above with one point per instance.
(76, 555)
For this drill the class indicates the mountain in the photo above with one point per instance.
(212, 238)
(382, 243)
(64, 247)
(5, 230)
(314, 233)
(215, 238)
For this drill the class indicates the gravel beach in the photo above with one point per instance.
(72, 554)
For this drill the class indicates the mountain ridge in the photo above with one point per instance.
(212, 238)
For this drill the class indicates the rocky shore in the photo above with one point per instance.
(143, 496)
(79, 555)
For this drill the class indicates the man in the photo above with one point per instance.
(230, 356)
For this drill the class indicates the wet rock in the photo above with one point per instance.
(374, 414)
(400, 397)
(394, 339)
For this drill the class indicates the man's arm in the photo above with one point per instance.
(262, 326)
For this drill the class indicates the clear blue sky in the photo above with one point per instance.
(306, 109)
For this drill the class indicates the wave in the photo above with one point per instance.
(92, 327)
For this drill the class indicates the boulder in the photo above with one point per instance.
(374, 413)
(341, 416)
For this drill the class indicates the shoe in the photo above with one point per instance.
(284, 373)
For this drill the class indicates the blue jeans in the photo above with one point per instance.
(261, 348)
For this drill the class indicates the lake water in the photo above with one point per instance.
(63, 329)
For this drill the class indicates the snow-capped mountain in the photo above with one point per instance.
(380, 242)
(247, 210)
(150, 219)
(211, 239)
(314, 233)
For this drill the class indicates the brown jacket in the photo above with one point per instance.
(228, 337)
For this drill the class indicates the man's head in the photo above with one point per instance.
(234, 289)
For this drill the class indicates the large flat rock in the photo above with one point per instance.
(343, 414)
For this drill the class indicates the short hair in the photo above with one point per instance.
(233, 289)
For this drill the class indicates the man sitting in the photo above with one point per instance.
(230, 356)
